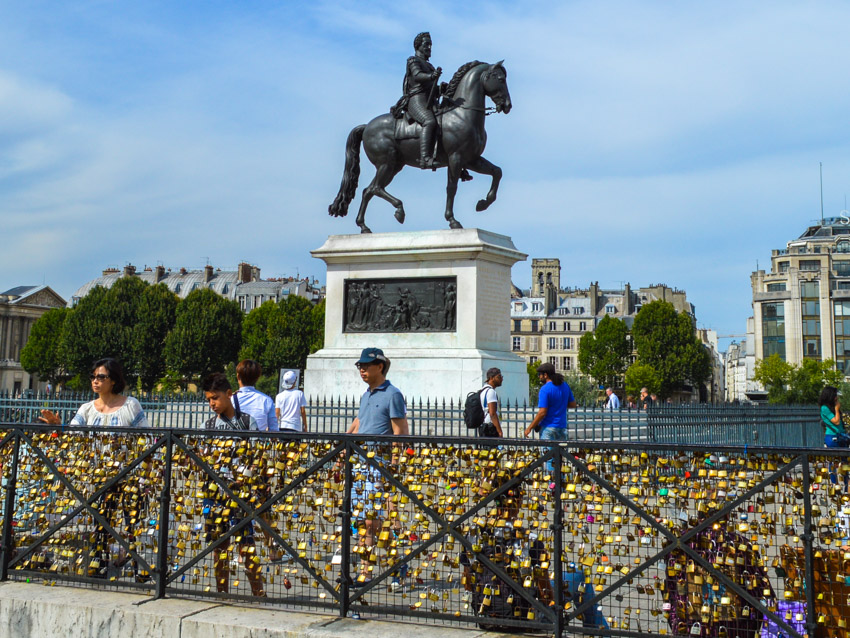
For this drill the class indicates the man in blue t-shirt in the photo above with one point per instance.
(554, 398)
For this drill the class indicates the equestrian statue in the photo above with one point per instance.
(424, 132)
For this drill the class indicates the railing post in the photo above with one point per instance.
(9, 511)
(558, 542)
(164, 511)
(811, 617)
(345, 566)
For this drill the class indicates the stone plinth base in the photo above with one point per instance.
(441, 364)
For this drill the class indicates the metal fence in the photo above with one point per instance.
(788, 426)
(578, 537)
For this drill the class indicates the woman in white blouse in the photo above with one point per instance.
(110, 408)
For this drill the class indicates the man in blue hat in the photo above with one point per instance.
(382, 406)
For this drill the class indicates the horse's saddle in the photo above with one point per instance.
(407, 129)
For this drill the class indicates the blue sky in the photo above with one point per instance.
(649, 142)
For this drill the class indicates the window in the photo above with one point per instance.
(773, 329)
(553, 343)
(178, 287)
(534, 324)
(195, 285)
(842, 336)
(537, 306)
(210, 286)
(842, 267)
(517, 325)
(809, 265)
(579, 311)
(816, 249)
(776, 287)
(224, 289)
(517, 306)
(563, 311)
(582, 325)
(566, 343)
(517, 344)
(567, 363)
(552, 326)
(783, 266)
(532, 359)
(611, 309)
(809, 289)
(842, 247)
(554, 361)
(842, 285)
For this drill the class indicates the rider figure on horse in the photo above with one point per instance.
(421, 94)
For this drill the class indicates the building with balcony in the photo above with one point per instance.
(801, 306)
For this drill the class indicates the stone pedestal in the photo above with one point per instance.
(443, 363)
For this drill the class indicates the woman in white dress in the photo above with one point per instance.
(110, 408)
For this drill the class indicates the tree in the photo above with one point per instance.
(641, 375)
(80, 346)
(282, 335)
(157, 311)
(42, 353)
(604, 353)
(666, 340)
(787, 383)
(533, 381)
(584, 390)
(206, 336)
(774, 373)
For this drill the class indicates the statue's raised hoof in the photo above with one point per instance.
(399, 214)
(482, 205)
(364, 230)
(455, 224)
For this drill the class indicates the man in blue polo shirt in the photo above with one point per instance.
(382, 412)
(382, 407)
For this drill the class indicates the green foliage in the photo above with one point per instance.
(42, 353)
(641, 375)
(281, 335)
(206, 336)
(80, 345)
(157, 310)
(666, 340)
(787, 383)
(533, 382)
(604, 353)
(584, 389)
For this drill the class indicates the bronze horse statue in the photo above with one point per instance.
(391, 144)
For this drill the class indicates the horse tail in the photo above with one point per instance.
(350, 174)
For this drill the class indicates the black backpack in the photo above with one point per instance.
(473, 413)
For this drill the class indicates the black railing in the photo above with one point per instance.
(530, 535)
(769, 425)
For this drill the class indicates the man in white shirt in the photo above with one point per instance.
(250, 400)
(613, 402)
(490, 404)
(290, 406)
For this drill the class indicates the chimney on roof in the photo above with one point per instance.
(129, 270)
(159, 274)
(182, 271)
(594, 297)
(208, 273)
(243, 272)
(628, 306)
(110, 271)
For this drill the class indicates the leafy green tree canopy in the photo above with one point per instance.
(42, 353)
(787, 383)
(157, 312)
(206, 337)
(666, 340)
(604, 353)
(641, 375)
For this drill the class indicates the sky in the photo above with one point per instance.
(649, 142)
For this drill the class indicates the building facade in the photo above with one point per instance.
(548, 321)
(243, 285)
(801, 306)
(20, 307)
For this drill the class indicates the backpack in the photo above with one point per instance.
(473, 413)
